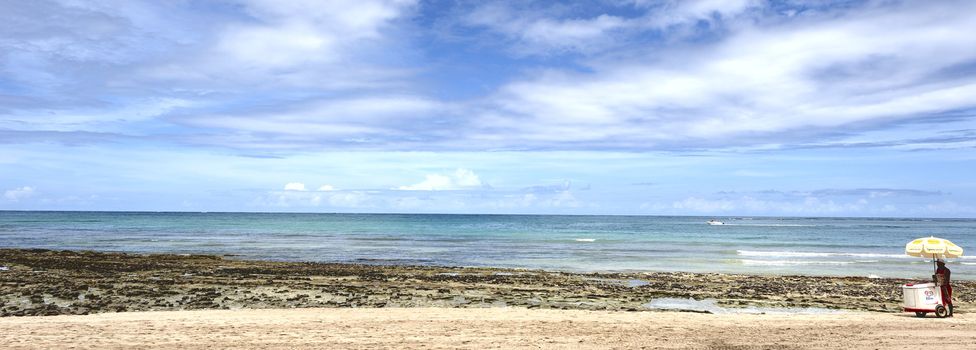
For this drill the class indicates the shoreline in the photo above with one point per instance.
(46, 282)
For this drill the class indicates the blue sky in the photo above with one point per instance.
(716, 108)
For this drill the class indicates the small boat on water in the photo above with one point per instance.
(714, 222)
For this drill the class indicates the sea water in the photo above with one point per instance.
(749, 245)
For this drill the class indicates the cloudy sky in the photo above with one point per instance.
(716, 108)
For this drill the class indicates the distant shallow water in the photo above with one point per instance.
(780, 246)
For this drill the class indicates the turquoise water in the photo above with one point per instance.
(808, 246)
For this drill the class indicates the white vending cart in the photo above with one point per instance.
(922, 298)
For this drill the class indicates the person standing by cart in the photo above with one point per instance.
(942, 275)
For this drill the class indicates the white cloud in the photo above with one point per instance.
(295, 186)
(351, 199)
(298, 33)
(278, 47)
(296, 195)
(549, 30)
(460, 179)
(17, 194)
(131, 67)
(304, 34)
(298, 186)
(758, 84)
(348, 74)
(674, 13)
(536, 201)
(356, 18)
(534, 33)
(572, 32)
(353, 118)
(466, 178)
(103, 119)
(564, 199)
(432, 182)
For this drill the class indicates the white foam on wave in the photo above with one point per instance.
(788, 254)
(792, 262)
(585, 239)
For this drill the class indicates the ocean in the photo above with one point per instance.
(748, 245)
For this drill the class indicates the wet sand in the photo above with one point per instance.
(443, 328)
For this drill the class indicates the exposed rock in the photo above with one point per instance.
(46, 282)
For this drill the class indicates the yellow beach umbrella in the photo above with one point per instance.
(933, 247)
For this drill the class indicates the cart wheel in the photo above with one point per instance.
(941, 312)
(920, 314)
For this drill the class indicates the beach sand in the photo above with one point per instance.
(69, 299)
(443, 328)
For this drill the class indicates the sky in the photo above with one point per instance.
(712, 108)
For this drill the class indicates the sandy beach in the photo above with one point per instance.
(443, 328)
(113, 300)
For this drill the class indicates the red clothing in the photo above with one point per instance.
(946, 286)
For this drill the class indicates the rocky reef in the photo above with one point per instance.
(46, 282)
